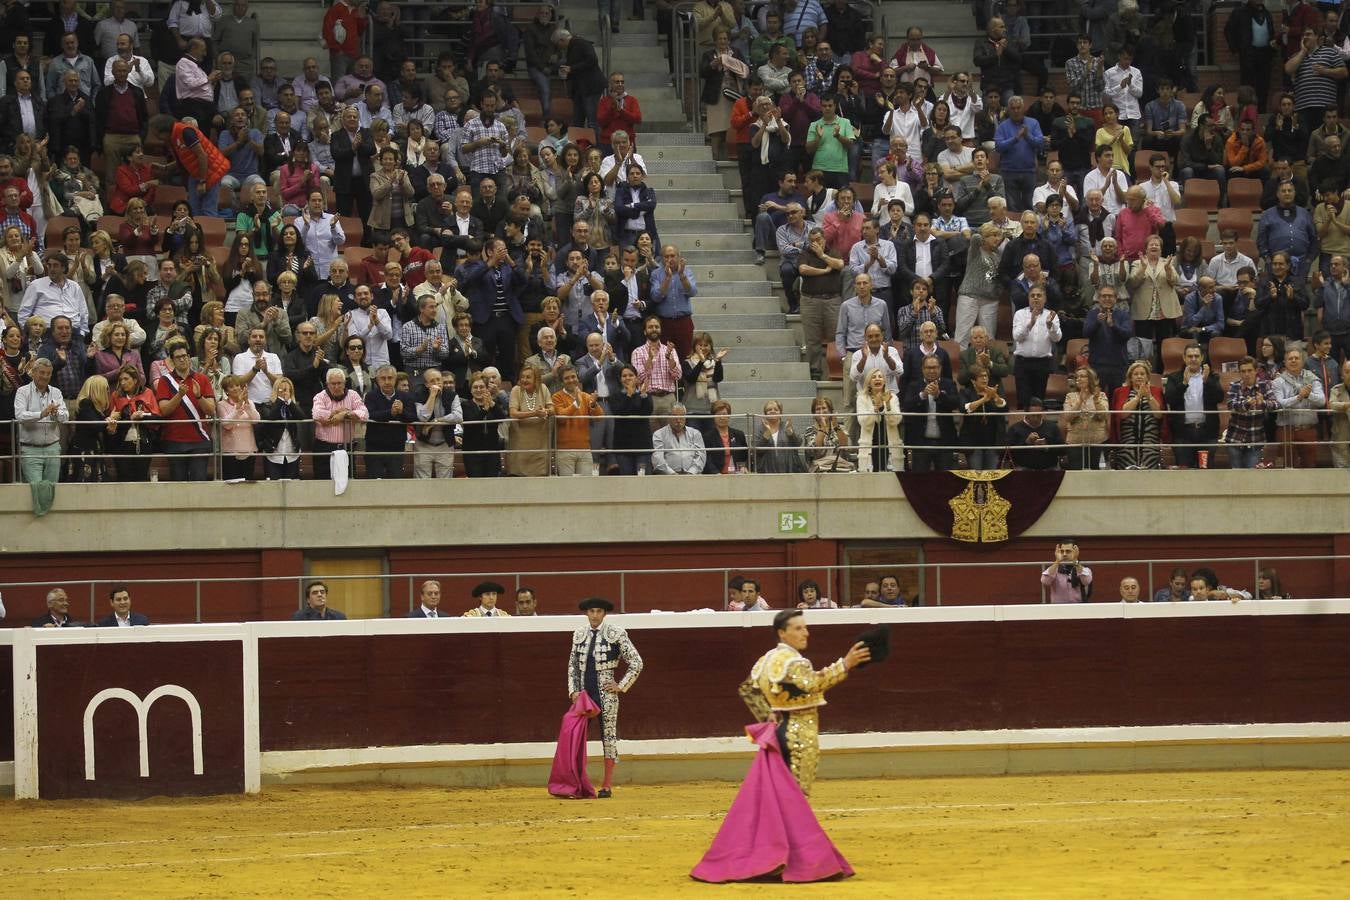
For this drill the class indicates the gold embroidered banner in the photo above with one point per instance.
(980, 507)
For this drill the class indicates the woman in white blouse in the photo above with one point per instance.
(890, 189)
(879, 445)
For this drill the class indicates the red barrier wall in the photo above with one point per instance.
(469, 688)
(69, 676)
(233, 601)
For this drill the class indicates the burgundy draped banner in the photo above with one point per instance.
(980, 507)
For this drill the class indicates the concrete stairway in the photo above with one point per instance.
(289, 33)
(949, 28)
(698, 213)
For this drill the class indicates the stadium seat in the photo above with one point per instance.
(1071, 351)
(52, 236)
(353, 255)
(213, 230)
(1201, 194)
(1244, 192)
(1192, 223)
(1247, 247)
(1141, 170)
(1225, 350)
(166, 195)
(1172, 349)
(110, 224)
(1056, 388)
(1240, 219)
(354, 229)
(219, 255)
(834, 363)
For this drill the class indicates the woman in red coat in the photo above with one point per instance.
(134, 178)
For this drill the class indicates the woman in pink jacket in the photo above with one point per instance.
(238, 448)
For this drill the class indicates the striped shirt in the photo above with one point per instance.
(1312, 90)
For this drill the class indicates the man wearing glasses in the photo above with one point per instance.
(964, 105)
(1164, 193)
(187, 403)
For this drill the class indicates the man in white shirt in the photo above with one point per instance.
(1163, 193)
(1055, 183)
(906, 121)
(259, 365)
(875, 258)
(1123, 87)
(676, 449)
(1112, 182)
(964, 104)
(614, 168)
(56, 295)
(1035, 331)
(115, 314)
(141, 74)
(40, 410)
(876, 354)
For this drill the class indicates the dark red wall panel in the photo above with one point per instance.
(465, 688)
(6, 703)
(69, 676)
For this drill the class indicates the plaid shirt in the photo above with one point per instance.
(486, 160)
(1090, 83)
(20, 220)
(446, 129)
(662, 373)
(413, 334)
(1247, 412)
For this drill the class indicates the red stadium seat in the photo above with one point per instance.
(1244, 192)
(1242, 220)
(1201, 194)
(1192, 223)
(1172, 349)
(1225, 350)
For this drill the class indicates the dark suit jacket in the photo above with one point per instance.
(110, 620)
(11, 121)
(915, 408)
(589, 372)
(46, 619)
(101, 111)
(490, 216)
(309, 615)
(418, 614)
(626, 209)
(476, 284)
(939, 257)
(913, 360)
(1174, 395)
(460, 364)
(418, 175)
(385, 431)
(343, 154)
(273, 155)
(716, 455)
(585, 78)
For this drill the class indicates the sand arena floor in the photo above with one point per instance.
(1194, 834)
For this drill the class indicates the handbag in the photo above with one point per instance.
(833, 462)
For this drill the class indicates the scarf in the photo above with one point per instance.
(771, 128)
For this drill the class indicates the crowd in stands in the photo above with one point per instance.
(743, 595)
(204, 258)
(1069, 228)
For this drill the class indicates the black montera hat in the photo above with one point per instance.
(595, 603)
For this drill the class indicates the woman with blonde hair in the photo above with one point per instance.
(880, 448)
(331, 325)
(213, 316)
(777, 448)
(238, 447)
(530, 409)
(115, 351)
(19, 265)
(98, 266)
(1137, 427)
(1086, 415)
(1153, 293)
(91, 424)
(278, 435)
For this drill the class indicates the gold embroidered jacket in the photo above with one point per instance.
(782, 680)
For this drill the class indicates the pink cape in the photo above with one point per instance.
(569, 778)
(770, 831)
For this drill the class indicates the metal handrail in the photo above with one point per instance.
(832, 573)
(606, 40)
(684, 34)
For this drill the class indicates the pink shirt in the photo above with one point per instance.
(236, 428)
(325, 406)
(1133, 229)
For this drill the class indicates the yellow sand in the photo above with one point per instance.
(1194, 834)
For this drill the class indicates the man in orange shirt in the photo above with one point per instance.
(574, 407)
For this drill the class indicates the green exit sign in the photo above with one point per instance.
(792, 523)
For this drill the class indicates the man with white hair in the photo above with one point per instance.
(614, 168)
(40, 411)
(140, 74)
(676, 448)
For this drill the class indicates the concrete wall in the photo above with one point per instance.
(587, 511)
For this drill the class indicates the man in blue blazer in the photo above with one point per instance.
(490, 282)
(635, 208)
(122, 616)
(929, 400)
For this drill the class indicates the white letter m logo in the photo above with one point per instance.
(142, 708)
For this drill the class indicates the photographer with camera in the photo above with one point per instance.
(1068, 580)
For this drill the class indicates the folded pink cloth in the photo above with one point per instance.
(569, 778)
(770, 832)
